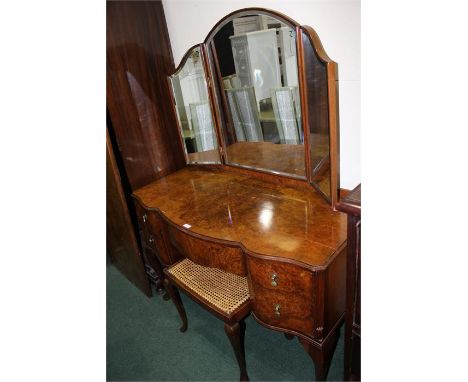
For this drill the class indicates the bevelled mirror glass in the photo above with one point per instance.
(256, 60)
(193, 110)
(316, 81)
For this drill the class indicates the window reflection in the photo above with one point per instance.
(257, 61)
(193, 110)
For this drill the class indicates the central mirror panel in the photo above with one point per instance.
(256, 64)
(193, 110)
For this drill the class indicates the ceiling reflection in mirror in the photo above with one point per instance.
(257, 62)
(193, 110)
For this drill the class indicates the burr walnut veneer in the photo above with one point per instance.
(285, 238)
(253, 212)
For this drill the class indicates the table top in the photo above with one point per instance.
(265, 218)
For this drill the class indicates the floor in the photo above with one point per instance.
(144, 343)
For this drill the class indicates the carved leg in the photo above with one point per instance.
(289, 336)
(175, 296)
(321, 355)
(236, 334)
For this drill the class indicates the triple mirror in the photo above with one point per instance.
(265, 69)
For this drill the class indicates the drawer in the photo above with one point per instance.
(148, 220)
(152, 233)
(152, 265)
(156, 241)
(229, 258)
(283, 295)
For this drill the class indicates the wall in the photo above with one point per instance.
(336, 22)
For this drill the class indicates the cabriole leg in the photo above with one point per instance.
(236, 335)
(175, 296)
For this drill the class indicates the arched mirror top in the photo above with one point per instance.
(194, 50)
(250, 12)
(269, 100)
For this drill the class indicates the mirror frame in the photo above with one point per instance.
(219, 108)
(210, 100)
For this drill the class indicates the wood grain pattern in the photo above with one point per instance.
(267, 156)
(152, 235)
(207, 253)
(121, 242)
(139, 59)
(229, 218)
(294, 293)
(351, 204)
(298, 223)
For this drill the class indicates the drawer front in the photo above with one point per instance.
(151, 231)
(208, 253)
(283, 295)
(152, 265)
(142, 217)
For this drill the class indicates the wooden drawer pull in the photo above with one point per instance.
(151, 239)
(144, 218)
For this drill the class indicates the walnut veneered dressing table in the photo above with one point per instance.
(249, 225)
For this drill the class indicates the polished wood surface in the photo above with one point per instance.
(288, 159)
(278, 230)
(209, 156)
(150, 251)
(293, 290)
(298, 223)
(154, 236)
(139, 59)
(351, 204)
(281, 233)
(121, 242)
(228, 258)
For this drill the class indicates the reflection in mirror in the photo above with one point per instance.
(257, 61)
(192, 104)
(319, 129)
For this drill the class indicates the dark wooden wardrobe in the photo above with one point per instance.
(139, 59)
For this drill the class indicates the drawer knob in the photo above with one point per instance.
(277, 310)
(144, 218)
(151, 239)
(274, 279)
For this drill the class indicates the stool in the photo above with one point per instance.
(224, 294)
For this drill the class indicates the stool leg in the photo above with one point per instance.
(175, 296)
(236, 334)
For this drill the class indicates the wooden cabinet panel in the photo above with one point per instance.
(139, 59)
(283, 295)
(152, 236)
(351, 204)
(121, 242)
(208, 253)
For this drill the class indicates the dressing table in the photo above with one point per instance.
(249, 225)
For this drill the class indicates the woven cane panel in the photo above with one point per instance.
(224, 290)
